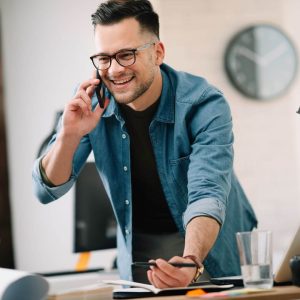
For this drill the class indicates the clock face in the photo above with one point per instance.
(261, 62)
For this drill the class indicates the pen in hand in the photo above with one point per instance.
(174, 264)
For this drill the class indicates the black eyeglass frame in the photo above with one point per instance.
(115, 56)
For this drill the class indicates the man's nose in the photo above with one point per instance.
(115, 67)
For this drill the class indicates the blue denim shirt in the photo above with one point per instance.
(191, 135)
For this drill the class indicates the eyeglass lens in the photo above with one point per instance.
(124, 58)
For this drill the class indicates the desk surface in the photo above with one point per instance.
(278, 293)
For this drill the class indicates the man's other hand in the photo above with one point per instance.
(165, 275)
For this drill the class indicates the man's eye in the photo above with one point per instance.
(125, 55)
(103, 59)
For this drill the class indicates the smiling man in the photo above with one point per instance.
(163, 148)
(138, 84)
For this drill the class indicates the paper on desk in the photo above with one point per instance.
(15, 284)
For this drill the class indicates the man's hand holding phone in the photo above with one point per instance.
(78, 117)
(78, 120)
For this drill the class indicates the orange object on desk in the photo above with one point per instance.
(195, 293)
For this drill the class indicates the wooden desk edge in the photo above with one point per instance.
(277, 293)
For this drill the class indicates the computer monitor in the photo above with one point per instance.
(95, 224)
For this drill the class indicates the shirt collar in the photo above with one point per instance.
(166, 108)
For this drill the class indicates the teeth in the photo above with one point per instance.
(121, 81)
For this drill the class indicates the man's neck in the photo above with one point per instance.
(150, 96)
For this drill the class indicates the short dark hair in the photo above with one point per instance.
(114, 11)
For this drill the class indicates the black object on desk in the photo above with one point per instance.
(237, 281)
(128, 293)
(295, 268)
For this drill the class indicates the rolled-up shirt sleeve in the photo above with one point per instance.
(211, 159)
(47, 193)
(208, 207)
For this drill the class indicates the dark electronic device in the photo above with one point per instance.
(295, 268)
(100, 91)
(95, 223)
(235, 280)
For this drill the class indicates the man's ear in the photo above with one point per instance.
(160, 53)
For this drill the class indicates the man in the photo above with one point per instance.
(163, 148)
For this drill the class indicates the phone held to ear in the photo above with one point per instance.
(100, 92)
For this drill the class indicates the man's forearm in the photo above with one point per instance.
(57, 163)
(201, 234)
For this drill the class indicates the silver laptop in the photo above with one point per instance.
(283, 274)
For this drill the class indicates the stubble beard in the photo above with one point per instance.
(138, 92)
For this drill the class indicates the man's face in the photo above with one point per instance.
(129, 83)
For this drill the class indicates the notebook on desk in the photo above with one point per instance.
(281, 276)
(142, 290)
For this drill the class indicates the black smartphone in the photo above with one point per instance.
(100, 91)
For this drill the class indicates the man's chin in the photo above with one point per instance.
(122, 98)
(129, 96)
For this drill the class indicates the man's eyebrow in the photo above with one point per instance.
(120, 50)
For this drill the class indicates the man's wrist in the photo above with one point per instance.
(69, 138)
(199, 266)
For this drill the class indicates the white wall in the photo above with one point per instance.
(46, 45)
(267, 144)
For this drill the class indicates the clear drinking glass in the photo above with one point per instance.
(255, 250)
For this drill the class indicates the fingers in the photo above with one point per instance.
(79, 103)
(84, 85)
(163, 275)
(154, 279)
(90, 90)
(84, 96)
(159, 282)
(166, 275)
(84, 93)
(89, 86)
(98, 111)
(94, 74)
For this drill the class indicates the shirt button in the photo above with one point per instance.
(125, 168)
(127, 231)
(127, 202)
(123, 136)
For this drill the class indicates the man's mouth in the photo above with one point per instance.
(121, 82)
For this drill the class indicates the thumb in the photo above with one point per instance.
(98, 111)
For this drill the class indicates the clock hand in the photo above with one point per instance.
(251, 55)
(273, 54)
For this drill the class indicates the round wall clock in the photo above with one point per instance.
(261, 62)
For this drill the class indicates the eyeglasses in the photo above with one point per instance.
(125, 57)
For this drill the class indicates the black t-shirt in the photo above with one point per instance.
(151, 213)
